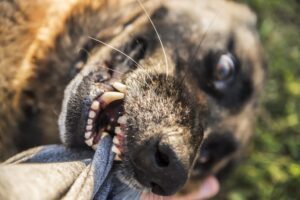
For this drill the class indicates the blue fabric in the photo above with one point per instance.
(57, 172)
(102, 162)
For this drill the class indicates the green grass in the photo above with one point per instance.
(272, 170)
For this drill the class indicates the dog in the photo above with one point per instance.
(176, 83)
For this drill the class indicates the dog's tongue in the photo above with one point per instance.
(209, 188)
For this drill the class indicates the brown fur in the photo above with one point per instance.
(37, 48)
(41, 43)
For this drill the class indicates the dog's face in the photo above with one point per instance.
(158, 101)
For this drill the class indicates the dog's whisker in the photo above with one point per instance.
(102, 66)
(194, 54)
(118, 50)
(123, 53)
(158, 36)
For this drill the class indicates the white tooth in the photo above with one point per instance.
(89, 121)
(95, 146)
(117, 158)
(122, 120)
(92, 114)
(118, 130)
(89, 142)
(104, 134)
(89, 127)
(115, 150)
(109, 97)
(120, 87)
(88, 134)
(95, 105)
(116, 140)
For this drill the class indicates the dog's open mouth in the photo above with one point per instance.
(106, 112)
(106, 117)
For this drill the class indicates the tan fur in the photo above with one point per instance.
(29, 32)
(19, 23)
(41, 39)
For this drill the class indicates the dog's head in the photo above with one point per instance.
(158, 95)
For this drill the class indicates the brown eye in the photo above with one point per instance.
(224, 71)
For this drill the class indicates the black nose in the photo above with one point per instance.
(157, 166)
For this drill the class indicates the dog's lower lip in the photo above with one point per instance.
(104, 117)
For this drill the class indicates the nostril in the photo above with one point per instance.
(156, 188)
(155, 164)
(161, 158)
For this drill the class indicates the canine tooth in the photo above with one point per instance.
(122, 120)
(120, 87)
(117, 158)
(104, 134)
(109, 97)
(89, 127)
(88, 134)
(92, 114)
(95, 105)
(89, 121)
(118, 130)
(89, 142)
(115, 150)
(116, 140)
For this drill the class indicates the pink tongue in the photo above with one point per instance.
(209, 188)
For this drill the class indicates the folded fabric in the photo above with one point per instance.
(57, 172)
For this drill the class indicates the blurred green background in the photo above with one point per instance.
(272, 169)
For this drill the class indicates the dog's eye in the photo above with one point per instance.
(224, 71)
